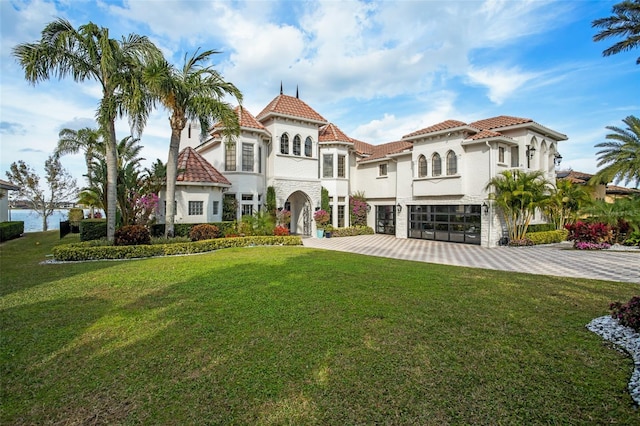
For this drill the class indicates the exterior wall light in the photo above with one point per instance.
(399, 207)
(557, 159)
(485, 207)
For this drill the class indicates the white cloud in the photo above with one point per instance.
(501, 82)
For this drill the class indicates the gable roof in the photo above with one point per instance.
(193, 168)
(499, 122)
(362, 148)
(247, 119)
(288, 106)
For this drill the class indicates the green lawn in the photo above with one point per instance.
(290, 335)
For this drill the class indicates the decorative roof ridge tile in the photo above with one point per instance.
(192, 167)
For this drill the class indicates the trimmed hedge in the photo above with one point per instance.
(541, 227)
(352, 231)
(184, 229)
(93, 229)
(85, 251)
(11, 230)
(548, 237)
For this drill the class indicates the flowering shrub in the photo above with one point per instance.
(321, 217)
(204, 231)
(627, 314)
(132, 235)
(280, 231)
(358, 209)
(585, 245)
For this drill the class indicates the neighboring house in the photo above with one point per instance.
(430, 184)
(5, 187)
(608, 193)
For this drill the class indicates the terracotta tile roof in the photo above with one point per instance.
(330, 133)
(499, 121)
(192, 167)
(362, 148)
(245, 119)
(292, 107)
(613, 189)
(573, 176)
(485, 134)
(381, 151)
(445, 125)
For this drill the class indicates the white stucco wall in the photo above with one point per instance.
(4, 205)
(186, 193)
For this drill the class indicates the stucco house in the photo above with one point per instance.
(5, 187)
(429, 184)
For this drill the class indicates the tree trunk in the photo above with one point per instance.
(112, 181)
(44, 220)
(172, 174)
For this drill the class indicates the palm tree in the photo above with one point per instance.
(624, 23)
(193, 92)
(518, 194)
(87, 140)
(565, 201)
(620, 154)
(89, 54)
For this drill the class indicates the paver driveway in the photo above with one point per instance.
(553, 259)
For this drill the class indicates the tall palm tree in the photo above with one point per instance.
(193, 92)
(620, 154)
(87, 53)
(624, 23)
(565, 201)
(518, 194)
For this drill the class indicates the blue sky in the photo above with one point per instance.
(378, 70)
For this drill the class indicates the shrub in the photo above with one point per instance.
(627, 314)
(585, 245)
(548, 237)
(280, 230)
(204, 232)
(321, 217)
(633, 239)
(589, 232)
(352, 231)
(11, 230)
(183, 229)
(132, 235)
(173, 240)
(93, 229)
(85, 251)
(521, 242)
(541, 227)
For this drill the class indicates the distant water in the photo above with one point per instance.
(33, 221)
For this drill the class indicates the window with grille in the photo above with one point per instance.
(436, 165)
(247, 157)
(196, 208)
(452, 163)
(308, 144)
(327, 165)
(297, 149)
(422, 166)
(284, 144)
(230, 157)
(341, 166)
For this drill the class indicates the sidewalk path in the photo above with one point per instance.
(553, 259)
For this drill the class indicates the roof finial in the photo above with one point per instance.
(281, 87)
(297, 97)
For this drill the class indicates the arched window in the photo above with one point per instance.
(308, 146)
(422, 166)
(436, 165)
(296, 145)
(452, 163)
(284, 144)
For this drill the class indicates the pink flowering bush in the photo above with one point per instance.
(358, 210)
(627, 314)
(321, 217)
(585, 245)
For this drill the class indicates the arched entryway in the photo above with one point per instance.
(299, 204)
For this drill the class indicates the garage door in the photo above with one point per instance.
(454, 223)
